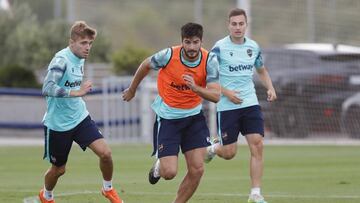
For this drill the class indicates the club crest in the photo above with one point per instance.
(249, 52)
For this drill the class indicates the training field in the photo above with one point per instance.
(296, 174)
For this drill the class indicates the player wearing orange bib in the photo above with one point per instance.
(187, 74)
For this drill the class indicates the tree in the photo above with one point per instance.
(26, 43)
(128, 59)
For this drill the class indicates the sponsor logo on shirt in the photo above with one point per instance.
(72, 84)
(181, 87)
(240, 67)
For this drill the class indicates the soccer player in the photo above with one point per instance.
(238, 109)
(67, 119)
(187, 74)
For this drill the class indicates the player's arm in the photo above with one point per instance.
(142, 71)
(267, 83)
(230, 94)
(212, 90)
(54, 75)
(264, 77)
(84, 89)
(156, 61)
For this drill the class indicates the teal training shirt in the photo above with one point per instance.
(65, 73)
(160, 60)
(237, 63)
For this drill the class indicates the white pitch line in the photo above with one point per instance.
(34, 199)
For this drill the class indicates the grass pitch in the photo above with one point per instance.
(296, 174)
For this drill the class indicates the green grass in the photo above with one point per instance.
(296, 174)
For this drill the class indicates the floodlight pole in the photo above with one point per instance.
(246, 5)
(311, 20)
(70, 11)
(198, 8)
(57, 9)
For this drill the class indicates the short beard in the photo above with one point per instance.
(192, 57)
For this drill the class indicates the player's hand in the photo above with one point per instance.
(232, 96)
(85, 88)
(190, 82)
(128, 94)
(271, 95)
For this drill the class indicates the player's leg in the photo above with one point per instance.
(166, 148)
(165, 167)
(51, 177)
(103, 151)
(88, 135)
(195, 170)
(253, 129)
(57, 148)
(228, 133)
(193, 145)
(255, 142)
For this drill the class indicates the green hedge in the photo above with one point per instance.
(17, 76)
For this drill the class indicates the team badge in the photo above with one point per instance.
(249, 52)
(231, 53)
(224, 136)
(161, 147)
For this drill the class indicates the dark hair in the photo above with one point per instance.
(191, 30)
(237, 12)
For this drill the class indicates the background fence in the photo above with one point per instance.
(317, 84)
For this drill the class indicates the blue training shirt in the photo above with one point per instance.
(65, 73)
(237, 63)
(160, 60)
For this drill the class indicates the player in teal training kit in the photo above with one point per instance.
(67, 119)
(238, 109)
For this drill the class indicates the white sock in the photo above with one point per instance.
(212, 148)
(107, 185)
(157, 168)
(255, 191)
(48, 195)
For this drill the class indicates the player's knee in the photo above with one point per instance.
(229, 155)
(257, 148)
(58, 171)
(168, 173)
(197, 171)
(106, 156)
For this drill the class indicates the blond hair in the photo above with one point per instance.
(81, 30)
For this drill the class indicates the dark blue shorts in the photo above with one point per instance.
(245, 120)
(188, 133)
(58, 144)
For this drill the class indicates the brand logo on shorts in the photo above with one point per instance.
(161, 147)
(224, 136)
(53, 159)
(208, 139)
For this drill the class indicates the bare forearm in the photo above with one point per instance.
(140, 74)
(265, 79)
(210, 93)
